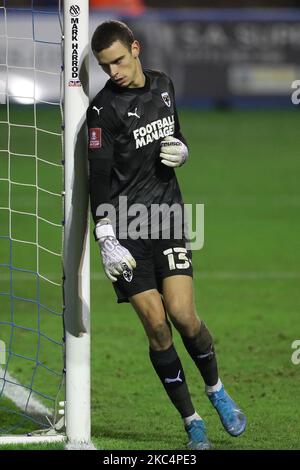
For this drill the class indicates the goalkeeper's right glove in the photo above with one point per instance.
(115, 257)
(173, 152)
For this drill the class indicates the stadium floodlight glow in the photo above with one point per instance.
(22, 90)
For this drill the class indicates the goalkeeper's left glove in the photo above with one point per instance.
(173, 152)
(115, 258)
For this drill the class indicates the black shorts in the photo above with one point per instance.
(155, 260)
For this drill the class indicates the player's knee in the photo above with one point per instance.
(160, 336)
(184, 318)
(188, 326)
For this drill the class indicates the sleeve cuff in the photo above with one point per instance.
(104, 228)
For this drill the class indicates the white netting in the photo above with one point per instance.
(31, 215)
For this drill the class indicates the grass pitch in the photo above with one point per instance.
(244, 166)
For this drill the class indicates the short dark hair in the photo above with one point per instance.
(110, 31)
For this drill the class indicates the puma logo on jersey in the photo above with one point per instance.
(97, 109)
(134, 114)
(177, 379)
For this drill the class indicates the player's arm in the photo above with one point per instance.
(100, 154)
(115, 257)
(174, 150)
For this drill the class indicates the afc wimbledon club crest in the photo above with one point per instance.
(166, 98)
(127, 273)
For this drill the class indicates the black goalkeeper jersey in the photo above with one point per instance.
(126, 126)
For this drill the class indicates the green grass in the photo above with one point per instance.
(244, 167)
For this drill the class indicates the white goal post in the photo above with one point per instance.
(76, 237)
(74, 424)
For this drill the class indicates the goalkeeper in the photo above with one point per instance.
(135, 143)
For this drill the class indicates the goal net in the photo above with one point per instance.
(40, 276)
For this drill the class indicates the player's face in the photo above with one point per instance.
(120, 63)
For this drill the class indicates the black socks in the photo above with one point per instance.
(201, 350)
(169, 369)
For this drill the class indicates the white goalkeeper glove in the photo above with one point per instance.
(115, 257)
(173, 152)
